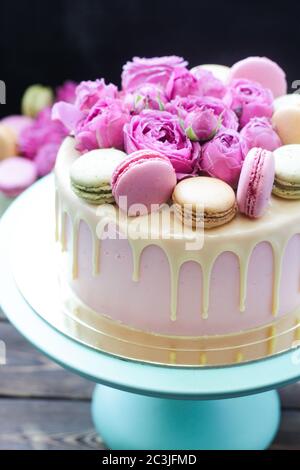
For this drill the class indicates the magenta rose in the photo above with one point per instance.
(89, 92)
(223, 156)
(161, 131)
(67, 92)
(249, 99)
(258, 132)
(201, 124)
(208, 84)
(43, 130)
(147, 96)
(181, 83)
(156, 70)
(183, 106)
(46, 157)
(103, 126)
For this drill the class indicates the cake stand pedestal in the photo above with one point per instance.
(145, 406)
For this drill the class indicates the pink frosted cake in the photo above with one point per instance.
(175, 141)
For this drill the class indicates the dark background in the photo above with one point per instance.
(48, 41)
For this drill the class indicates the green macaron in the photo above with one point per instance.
(91, 175)
(287, 172)
(36, 98)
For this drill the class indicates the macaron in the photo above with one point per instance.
(256, 182)
(91, 175)
(261, 70)
(287, 172)
(205, 199)
(8, 142)
(286, 121)
(17, 123)
(291, 99)
(16, 175)
(219, 71)
(146, 179)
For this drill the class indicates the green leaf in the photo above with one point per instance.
(191, 134)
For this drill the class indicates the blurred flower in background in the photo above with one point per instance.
(32, 136)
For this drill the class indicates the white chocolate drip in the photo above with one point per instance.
(240, 237)
(177, 256)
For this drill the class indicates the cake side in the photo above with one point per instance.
(245, 275)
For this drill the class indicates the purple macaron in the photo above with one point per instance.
(143, 181)
(256, 182)
(16, 175)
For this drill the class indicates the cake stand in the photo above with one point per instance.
(146, 406)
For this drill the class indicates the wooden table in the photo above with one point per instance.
(42, 406)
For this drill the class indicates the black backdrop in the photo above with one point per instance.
(48, 41)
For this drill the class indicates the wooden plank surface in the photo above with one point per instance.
(28, 373)
(288, 437)
(290, 396)
(47, 424)
(42, 406)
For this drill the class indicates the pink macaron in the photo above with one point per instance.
(17, 123)
(16, 175)
(256, 182)
(143, 181)
(261, 70)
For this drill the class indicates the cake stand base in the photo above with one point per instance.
(141, 405)
(131, 421)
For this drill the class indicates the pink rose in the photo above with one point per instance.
(156, 70)
(66, 92)
(42, 131)
(103, 126)
(147, 96)
(201, 124)
(183, 106)
(208, 84)
(258, 132)
(181, 83)
(46, 157)
(223, 156)
(161, 131)
(88, 93)
(249, 99)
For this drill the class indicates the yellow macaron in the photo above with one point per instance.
(8, 142)
(286, 121)
(204, 199)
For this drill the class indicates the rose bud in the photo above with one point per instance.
(201, 124)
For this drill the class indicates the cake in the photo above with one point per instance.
(154, 272)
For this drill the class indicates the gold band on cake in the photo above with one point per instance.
(101, 333)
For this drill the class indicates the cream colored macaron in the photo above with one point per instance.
(219, 71)
(8, 143)
(292, 99)
(204, 199)
(287, 172)
(286, 121)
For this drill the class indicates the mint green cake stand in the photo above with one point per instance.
(144, 406)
